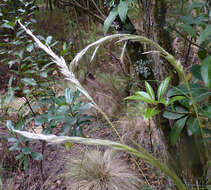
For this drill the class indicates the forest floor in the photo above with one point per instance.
(57, 160)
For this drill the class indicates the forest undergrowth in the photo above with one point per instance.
(133, 112)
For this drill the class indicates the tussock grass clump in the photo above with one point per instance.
(102, 171)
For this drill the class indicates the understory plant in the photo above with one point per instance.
(33, 81)
(71, 77)
(187, 105)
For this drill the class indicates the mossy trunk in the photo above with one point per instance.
(185, 158)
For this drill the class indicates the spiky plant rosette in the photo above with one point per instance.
(102, 171)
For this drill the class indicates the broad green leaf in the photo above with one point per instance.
(163, 101)
(44, 74)
(3, 98)
(145, 96)
(199, 92)
(26, 150)
(189, 29)
(36, 156)
(85, 107)
(63, 109)
(162, 88)
(9, 125)
(195, 5)
(142, 96)
(7, 25)
(177, 129)
(11, 93)
(76, 95)
(180, 109)
(205, 34)
(29, 47)
(206, 111)
(57, 118)
(18, 157)
(150, 112)
(12, 62)
(192, 126)
(41, 119)
(172, 115)
(206, 71)
(59, 100)
(68, 96)
(195, 71)
(29, 81)
(25, 163)
(122, 10)
(48, 39)
(174, 99)
(187, 19)
(12, 139)
(150, 90)
(111, 17)
(14, 147)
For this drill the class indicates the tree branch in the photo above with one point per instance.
(78, 6)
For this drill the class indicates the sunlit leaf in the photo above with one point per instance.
(142, 96)
(162, 88)
(150, 90)
(150, 112)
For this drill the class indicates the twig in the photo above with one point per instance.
(28, 103)
(69, 3)
(98, 9)
(188, 53)
(183, 36)
(120, 64)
